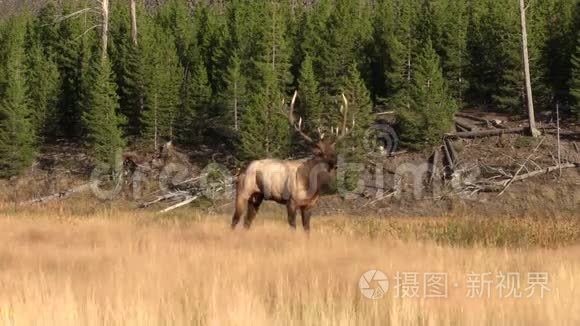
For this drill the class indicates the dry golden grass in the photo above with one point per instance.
(117, 268)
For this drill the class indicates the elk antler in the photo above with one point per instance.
(292, 120)
(344, 131)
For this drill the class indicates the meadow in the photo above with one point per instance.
(122, 267)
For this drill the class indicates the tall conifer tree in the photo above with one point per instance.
(17, 132)
(431, 109)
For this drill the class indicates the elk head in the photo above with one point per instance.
(325, 148)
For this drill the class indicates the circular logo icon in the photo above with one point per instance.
(380, 139)
(373, 284)
(106, 183)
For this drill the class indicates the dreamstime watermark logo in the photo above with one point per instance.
(373, 284)
(380, 139)
(218, 181)
(173, 174)
(370, 175)
(106, 181)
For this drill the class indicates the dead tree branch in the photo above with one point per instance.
(60, 195)
(465, 125)
(500, 185)
(180, 204)
(472, 117)
(522, 166)
(485, 133)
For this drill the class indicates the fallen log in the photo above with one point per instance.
(380, 198)
(162, 198)
(401, 152)
(433, 167)
(452, 151)
(465, 125)
(546, 170)
(472, 117)
(449, 168)
(384, 113)
(484, 133)
(183, 203)
(500, 185)
(460, 128)
(60, 195)
(564, 133)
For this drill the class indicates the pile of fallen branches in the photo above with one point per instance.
(188, 191)
(138, 168)
(501, 185)
(502, 180)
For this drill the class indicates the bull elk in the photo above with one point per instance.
(294, 183)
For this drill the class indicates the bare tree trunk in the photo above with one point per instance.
(134, 21)
(236, 105)
(155, 133)
(559, 149)
(274, 41)
(105, 27)
(533, 131)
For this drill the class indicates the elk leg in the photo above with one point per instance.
(253, 206)
(241, 208)
(306, 214)
(291, 215)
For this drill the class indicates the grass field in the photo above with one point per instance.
(127, 268)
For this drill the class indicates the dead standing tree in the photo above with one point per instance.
(134, 22)
(102, 10)
(104, 26)
(526, 60)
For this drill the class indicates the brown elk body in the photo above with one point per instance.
(295, 183)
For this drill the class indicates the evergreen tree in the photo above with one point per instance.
(537, 24)
(17, 132)
(309, 106)
(338, 48)
(402, 44)
(264, 131)
(310, 36)
(431, 109)
(101, 119)
(163, 79)
(176, 19)
(359, 119)
(130, 73)
(193, 117)
(200, 66)
(559, 46)
(494, 43)
(75, 49)
(128, 64)
(310, 101)
(575, 79)
(274, 45)
(453, 46)
(360, 109)
(211, 41)
(43, 83)
(46, 29)
(233, 98)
